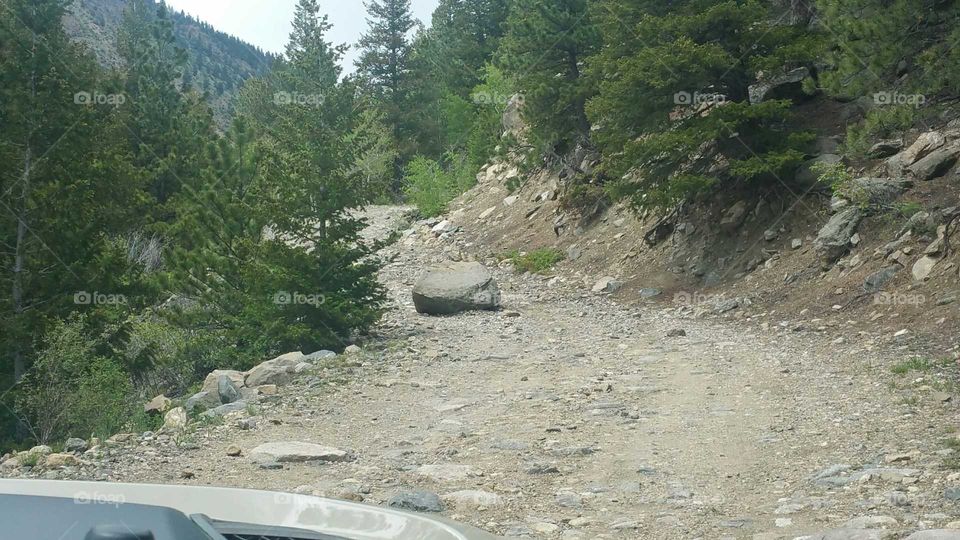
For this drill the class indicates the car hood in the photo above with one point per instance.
(332, 517)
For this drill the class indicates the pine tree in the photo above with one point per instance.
(162, 143)
(272, 243)
(68, 194)
(544, 50)
(384, 65)
(672, 108)
(467, 33)
(900, 45)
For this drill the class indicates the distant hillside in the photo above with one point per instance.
(218, 63)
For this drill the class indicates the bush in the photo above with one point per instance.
(429, 187)
(71, 391)
(879, 123)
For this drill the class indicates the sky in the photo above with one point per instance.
(266, 23)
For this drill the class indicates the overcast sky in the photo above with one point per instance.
(266, 23)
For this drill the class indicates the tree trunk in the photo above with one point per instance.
(18, 308)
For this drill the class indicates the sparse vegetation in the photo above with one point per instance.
(537, 261)
(912, 364)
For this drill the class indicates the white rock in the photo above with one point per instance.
(297, 452)
(472, 499)
(175, 419)
(446, 472)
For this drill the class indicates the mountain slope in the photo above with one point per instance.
(218, 63)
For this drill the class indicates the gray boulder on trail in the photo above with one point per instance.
(455, 287)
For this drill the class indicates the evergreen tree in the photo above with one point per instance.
(673, 108)
(273, 245)
(162, 141)
(898, 45)
(544, 50)
(384, 65)
(467, 33)
(68, 194)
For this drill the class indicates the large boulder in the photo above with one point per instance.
(279, 371)
(834, 238)
(455, 287)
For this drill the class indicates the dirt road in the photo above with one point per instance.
(568, 415)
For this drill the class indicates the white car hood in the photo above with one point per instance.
(333, 517)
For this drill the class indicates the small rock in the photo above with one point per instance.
(298, 452)
(472, 499)
(416, 501)
(55, 461)
(175, 419)
(75, 445)
(157, 405)
(677, 332)
(607, 285)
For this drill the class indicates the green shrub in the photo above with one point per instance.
(834, 175)
(72, 391)
(537, 261)
(879, 123)
(428, 186)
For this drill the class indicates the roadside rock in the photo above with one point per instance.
(224, 409)
(455, 287)
(56, 461)
(202, 401)
(278, 371)
(157, 405)
(75, 445)
(472, 499)
(833, 241)
(733, 217)
(297, 452)
(937, 163)
(878, 279)
(607, 284)
(175, 419)
(935, 534)
(445, 473)
(211, 383)
(227, 390)
(885, 148)
(416, 501)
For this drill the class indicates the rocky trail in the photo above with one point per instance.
(568, 415)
